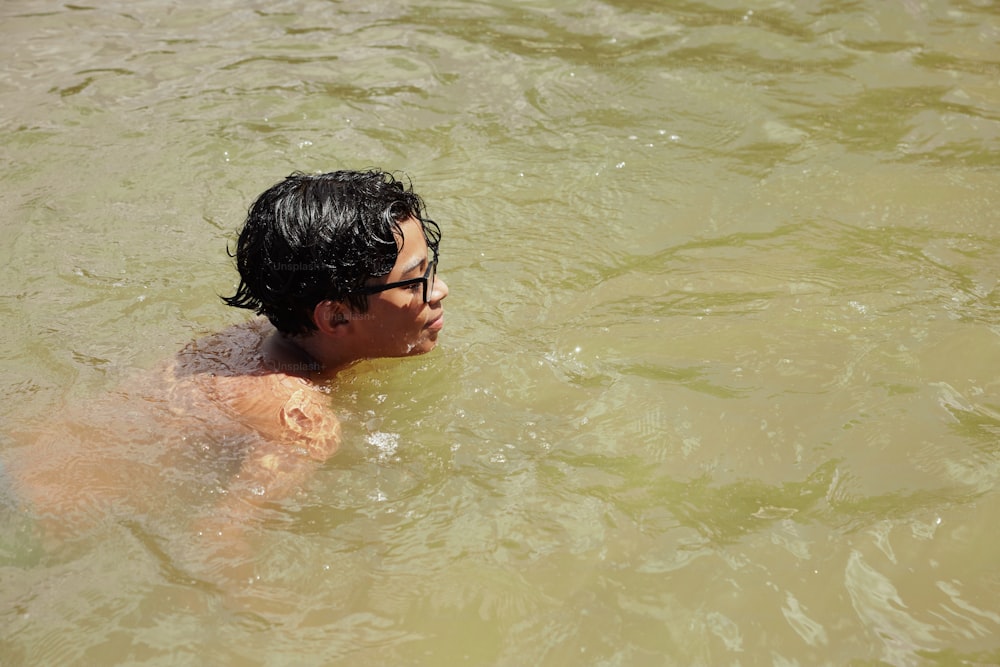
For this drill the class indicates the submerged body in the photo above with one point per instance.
(222, 404)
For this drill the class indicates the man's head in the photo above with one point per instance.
(316, 238)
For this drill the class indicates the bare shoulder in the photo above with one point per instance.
(229, 372)
(308, 420)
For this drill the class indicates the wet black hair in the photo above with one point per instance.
(314, 237)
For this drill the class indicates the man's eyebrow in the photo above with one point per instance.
(414, 265)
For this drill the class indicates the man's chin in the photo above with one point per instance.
(409, 350)
(423, 347)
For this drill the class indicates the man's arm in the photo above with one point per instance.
(305, 433)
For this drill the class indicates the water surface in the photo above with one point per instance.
(719, 380)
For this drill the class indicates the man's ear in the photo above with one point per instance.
(332, 317)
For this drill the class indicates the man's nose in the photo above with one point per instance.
(440, 289)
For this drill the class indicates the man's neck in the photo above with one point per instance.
(303, 356)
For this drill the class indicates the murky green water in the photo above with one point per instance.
(719, 383)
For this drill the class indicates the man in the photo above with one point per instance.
(343, 267)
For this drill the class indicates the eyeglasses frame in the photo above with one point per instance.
(427, 279)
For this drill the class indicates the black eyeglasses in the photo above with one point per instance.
(427, 279)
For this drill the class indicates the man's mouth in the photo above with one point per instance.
(436, 323)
